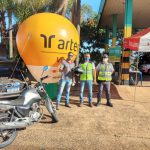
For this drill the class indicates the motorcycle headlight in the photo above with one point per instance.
(40, 88)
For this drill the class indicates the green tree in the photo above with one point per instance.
(6, 7)
(92, 38)
(3, 9)
(61, 6)
(26, 8)
(22, 9)
(87, 12)
(10, 8)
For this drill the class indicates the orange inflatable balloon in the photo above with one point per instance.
(44, 39)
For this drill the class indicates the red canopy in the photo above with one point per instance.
(139, 42)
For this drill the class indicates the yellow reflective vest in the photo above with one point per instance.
(87, 71)
(105, 72)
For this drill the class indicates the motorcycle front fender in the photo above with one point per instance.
(48, 106)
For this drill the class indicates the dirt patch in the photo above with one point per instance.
(123, 127)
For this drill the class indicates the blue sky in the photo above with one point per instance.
(94, 3)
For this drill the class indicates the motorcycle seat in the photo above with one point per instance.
(17, 102)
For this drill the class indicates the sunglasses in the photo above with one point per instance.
(71, 55)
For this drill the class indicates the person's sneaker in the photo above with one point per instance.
(90, 105)
(98, 104)
(81, 104)
(57, 107)
(109, 104)
(67, 105)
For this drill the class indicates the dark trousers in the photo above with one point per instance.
(106, 86)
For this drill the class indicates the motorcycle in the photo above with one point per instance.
(17, 114)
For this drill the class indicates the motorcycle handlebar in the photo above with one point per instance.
(44, 78)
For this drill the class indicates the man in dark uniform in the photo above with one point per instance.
(104, 72)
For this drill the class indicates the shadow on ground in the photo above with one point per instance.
(75, 91)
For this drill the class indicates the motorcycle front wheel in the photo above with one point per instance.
(6, 136)
(54, 116)
(51, 109)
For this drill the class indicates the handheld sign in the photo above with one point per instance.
(45, 39)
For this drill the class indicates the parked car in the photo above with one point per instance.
(12, 79)
(6, 67)
(11, 68)
(145, 68)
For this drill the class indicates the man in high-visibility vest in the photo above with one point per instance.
(87, 77)
(104, 72)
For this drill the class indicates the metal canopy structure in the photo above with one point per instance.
(127, 15)
(141, 13)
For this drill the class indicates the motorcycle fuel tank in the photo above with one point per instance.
(30, 96)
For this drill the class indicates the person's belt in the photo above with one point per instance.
(103, 81)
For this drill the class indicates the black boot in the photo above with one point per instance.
(81, 104)
(109, 103)
(90, 104)
(98, 102)
(67, 105)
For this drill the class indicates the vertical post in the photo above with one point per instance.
(137, 62)
(127, 33)
(107, 39)
(0, 37)
(114, 30)
(76, 20)
(78, 25)
(10, 35)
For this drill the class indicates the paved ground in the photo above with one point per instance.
(126, 126)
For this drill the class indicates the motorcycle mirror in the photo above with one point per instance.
(45, 68)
